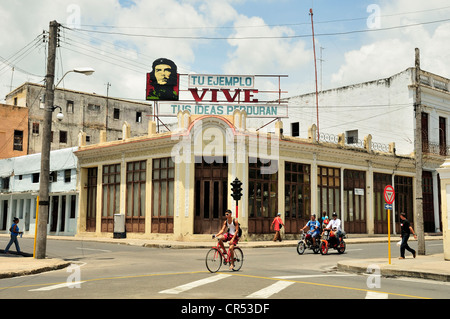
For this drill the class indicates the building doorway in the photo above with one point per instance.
(355, 201)
(91, 209)
(211, 194)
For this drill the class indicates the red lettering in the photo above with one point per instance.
(214, 95)
(227, 94)
(248, 95)
(195, 94)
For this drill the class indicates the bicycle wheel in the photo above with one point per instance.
(213, 260)
(238, 259)
(301, 247)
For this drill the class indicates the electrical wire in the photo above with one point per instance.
(259, 37)
(260, 26)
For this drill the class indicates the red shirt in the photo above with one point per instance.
(277, 221)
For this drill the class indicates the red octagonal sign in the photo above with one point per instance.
(389, 194)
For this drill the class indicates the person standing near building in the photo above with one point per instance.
(406, 232)
(14, 232)
(277, 224)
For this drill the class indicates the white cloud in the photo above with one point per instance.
(389, 52)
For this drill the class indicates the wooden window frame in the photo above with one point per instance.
(110, 186)
(135, 222)
(163, 176)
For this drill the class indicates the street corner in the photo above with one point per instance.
(22, 266)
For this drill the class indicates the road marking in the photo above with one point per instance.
(103, 250)
(376, 295)
(64, 285)
(194, 284)
(270, 290)
(313, 276)
(329, 286)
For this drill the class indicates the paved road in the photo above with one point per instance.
(104, 271)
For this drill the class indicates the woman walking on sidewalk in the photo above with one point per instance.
(14, 232)
(406, 232)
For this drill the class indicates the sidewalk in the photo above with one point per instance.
(426, 267)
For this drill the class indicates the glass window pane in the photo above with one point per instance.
(142, 198)
(171, 198)
(135, 201)
(163, 199)
(156, 198)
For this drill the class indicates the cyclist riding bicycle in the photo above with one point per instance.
(229, 232)
(314, 228)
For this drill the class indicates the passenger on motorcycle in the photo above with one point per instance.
(314, 228)
(335, 226)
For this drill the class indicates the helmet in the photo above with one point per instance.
(334, 214)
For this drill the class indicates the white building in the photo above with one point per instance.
(385, 109)
(19, 189)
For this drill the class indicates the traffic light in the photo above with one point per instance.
(236, 189)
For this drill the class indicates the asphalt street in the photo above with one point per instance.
(112, 271)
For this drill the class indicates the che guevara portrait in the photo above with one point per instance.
(163, 81)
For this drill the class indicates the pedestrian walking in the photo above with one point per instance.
(14, 232)
(406, 232)
(277, 225)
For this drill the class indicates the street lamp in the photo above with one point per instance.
(83, 70)
(41, 232)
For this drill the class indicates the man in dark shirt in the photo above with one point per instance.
(406, 232)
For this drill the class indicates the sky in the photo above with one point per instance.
(355, 41)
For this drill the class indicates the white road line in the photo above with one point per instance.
(194, 284)
(64, 285)
(313, 276)
(84, 248)
(270, 290)
(376, 295)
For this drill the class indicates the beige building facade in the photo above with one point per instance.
(176, 185)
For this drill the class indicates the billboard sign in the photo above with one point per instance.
(163, 82)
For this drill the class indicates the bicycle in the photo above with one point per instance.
(216, 256)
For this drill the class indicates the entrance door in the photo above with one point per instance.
(380, 181)
(54, 220)
(211, 179)
(5, 214)
(91, 209)
(355, 201)
(428, 202)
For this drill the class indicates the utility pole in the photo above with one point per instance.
(315, 68)
(419, 227)
(41, 235)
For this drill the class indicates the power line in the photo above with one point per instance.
(259, 37)
(259, 26)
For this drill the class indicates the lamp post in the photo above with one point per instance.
(41, 233)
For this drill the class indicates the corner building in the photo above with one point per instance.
(176, 185)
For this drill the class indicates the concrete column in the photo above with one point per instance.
(444, 173)
(370, 224)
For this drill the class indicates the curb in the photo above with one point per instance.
(390, 271)
(36, 270)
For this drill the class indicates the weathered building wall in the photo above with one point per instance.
(13, 118)
(87, 112)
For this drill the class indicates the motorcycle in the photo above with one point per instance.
(329, 241)
(306, 242)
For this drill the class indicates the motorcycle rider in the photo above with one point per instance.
(335, 226)
(314, 228)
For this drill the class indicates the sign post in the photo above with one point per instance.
(389, 196)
